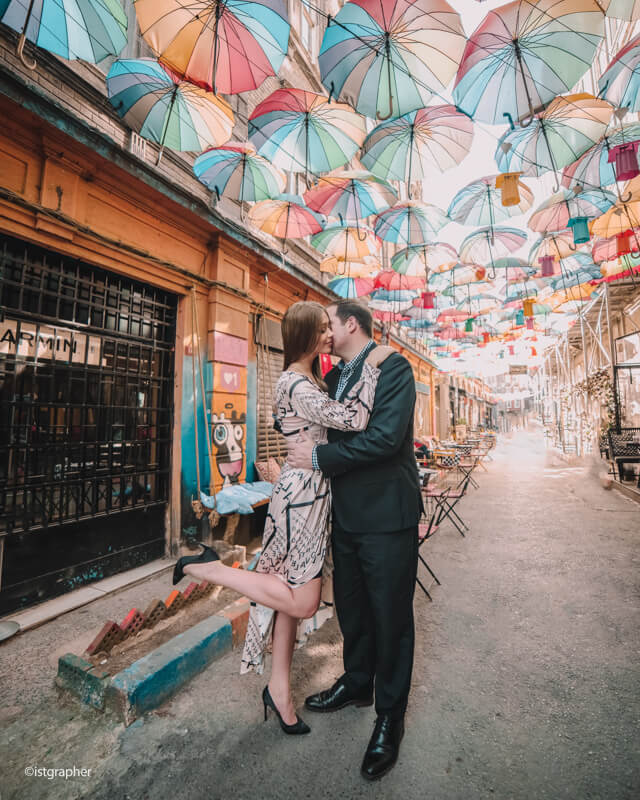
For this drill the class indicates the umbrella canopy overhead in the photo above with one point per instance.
(162, 107)
(229, 47)
(410, 223)
(285, 217)
(366, 267)
(620, 82)
(87, 29)
(628, 10)
(554, 214)
(387, 57)
(350, 195)
(557, 245)
(480, 203)
(238, 172)
(420, 259)
(432, 139)
(487, 244)
(351, 287)
(301, 131)
(524, 54)
(348, 243)
(618, 219)
(593, 169)
(556, 137)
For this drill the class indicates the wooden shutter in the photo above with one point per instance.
(270, 361)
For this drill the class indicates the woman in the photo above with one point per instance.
(286, 584)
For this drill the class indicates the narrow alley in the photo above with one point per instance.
(525, 682)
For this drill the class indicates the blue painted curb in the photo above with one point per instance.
(157, 676)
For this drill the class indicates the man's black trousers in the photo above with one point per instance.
(374, 581)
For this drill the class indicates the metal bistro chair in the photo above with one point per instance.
(425, 531)
(447, 499)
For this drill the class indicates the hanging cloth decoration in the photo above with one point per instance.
(481, 274)
(623, 243)
(529, 323)
(512, 351)
(486, 337)
(468, 326)
(427, 299)
(534, 352)
(580, 228)
(625, 157)
(527, 307)
(508, 183)
(520, 318)
(547, 266)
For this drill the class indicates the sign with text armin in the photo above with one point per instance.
(30, 340)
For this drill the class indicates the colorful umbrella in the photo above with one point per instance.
(513, 269)
(392, 281)
(480, 203)
(226, 46)
(348, 243)
(383, 300)
(628, 10)
(410, 223)
(162, 107)
(301, 131)
(351, 287)
(423, 258)
(524, 54)
(286, 217)
(556, 137)
(557, 245)
(618, 219)
(609, 249)
(459, 275)
(350, 195)
(236, 171)
(554, 214)
(86, 29)
(387, 57)
(367, 267)
(416, 144)
(487, 244)
(620, 82)
(593, 169)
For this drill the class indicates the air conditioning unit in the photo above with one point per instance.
(138, 146)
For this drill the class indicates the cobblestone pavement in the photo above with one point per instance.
(525, 682)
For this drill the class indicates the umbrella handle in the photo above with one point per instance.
(379, 116)
(524, 123)
(625, 199)
(510, 118)
(29, 63)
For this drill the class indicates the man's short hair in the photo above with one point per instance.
(361, 314)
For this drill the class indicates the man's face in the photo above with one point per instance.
(341, 331)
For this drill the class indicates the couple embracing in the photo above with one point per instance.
(349, 487)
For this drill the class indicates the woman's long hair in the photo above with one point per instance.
(300, 334)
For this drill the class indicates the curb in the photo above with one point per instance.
(160, 674)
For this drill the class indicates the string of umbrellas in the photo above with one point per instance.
(406, 90)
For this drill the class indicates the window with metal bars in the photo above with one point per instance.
(86, 383)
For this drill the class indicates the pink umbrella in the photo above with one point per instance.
(392, 281)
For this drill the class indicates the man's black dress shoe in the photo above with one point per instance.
(338, 696)
(383, 748)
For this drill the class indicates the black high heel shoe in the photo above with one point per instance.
(204, 557)
(298, 727)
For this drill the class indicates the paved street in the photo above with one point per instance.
(525, 682)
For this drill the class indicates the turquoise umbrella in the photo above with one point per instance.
(238, 172)
(86, 29)
(162, 107)
(410, 223)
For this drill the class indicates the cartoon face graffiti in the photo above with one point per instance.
(227, 438)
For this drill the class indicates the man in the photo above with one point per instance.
(376, 508)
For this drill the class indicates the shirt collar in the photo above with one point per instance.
(349, 365)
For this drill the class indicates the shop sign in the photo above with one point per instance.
(518, 369)
(30, 340)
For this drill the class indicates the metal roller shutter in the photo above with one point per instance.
(270, 362)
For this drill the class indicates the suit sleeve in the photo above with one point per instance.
(392, 412)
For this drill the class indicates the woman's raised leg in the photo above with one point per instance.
(261, 587)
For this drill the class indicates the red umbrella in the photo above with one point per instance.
(392, 281)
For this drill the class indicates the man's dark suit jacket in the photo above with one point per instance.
(374, 475)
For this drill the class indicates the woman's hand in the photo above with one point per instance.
(376, 356)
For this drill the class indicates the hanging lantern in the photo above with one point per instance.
(534, 352)
(626, 160)
(427, 299)
(520, 318)
(508, 183)
(486, 337)
(512, 351)
(527, 307)
(623, 243)
(456, 354)
(580, 228)
(547, 265)
(468, 326)
(529, 323)
(481, 273)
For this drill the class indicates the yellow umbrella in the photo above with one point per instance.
(574, 294)
(346, 242)
(337, 265)
(617, 219)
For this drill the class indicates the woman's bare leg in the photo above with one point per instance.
(283, 642)
(261, 587)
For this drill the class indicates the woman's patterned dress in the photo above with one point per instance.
(296, 533)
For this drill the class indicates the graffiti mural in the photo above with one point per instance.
(228, 435)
